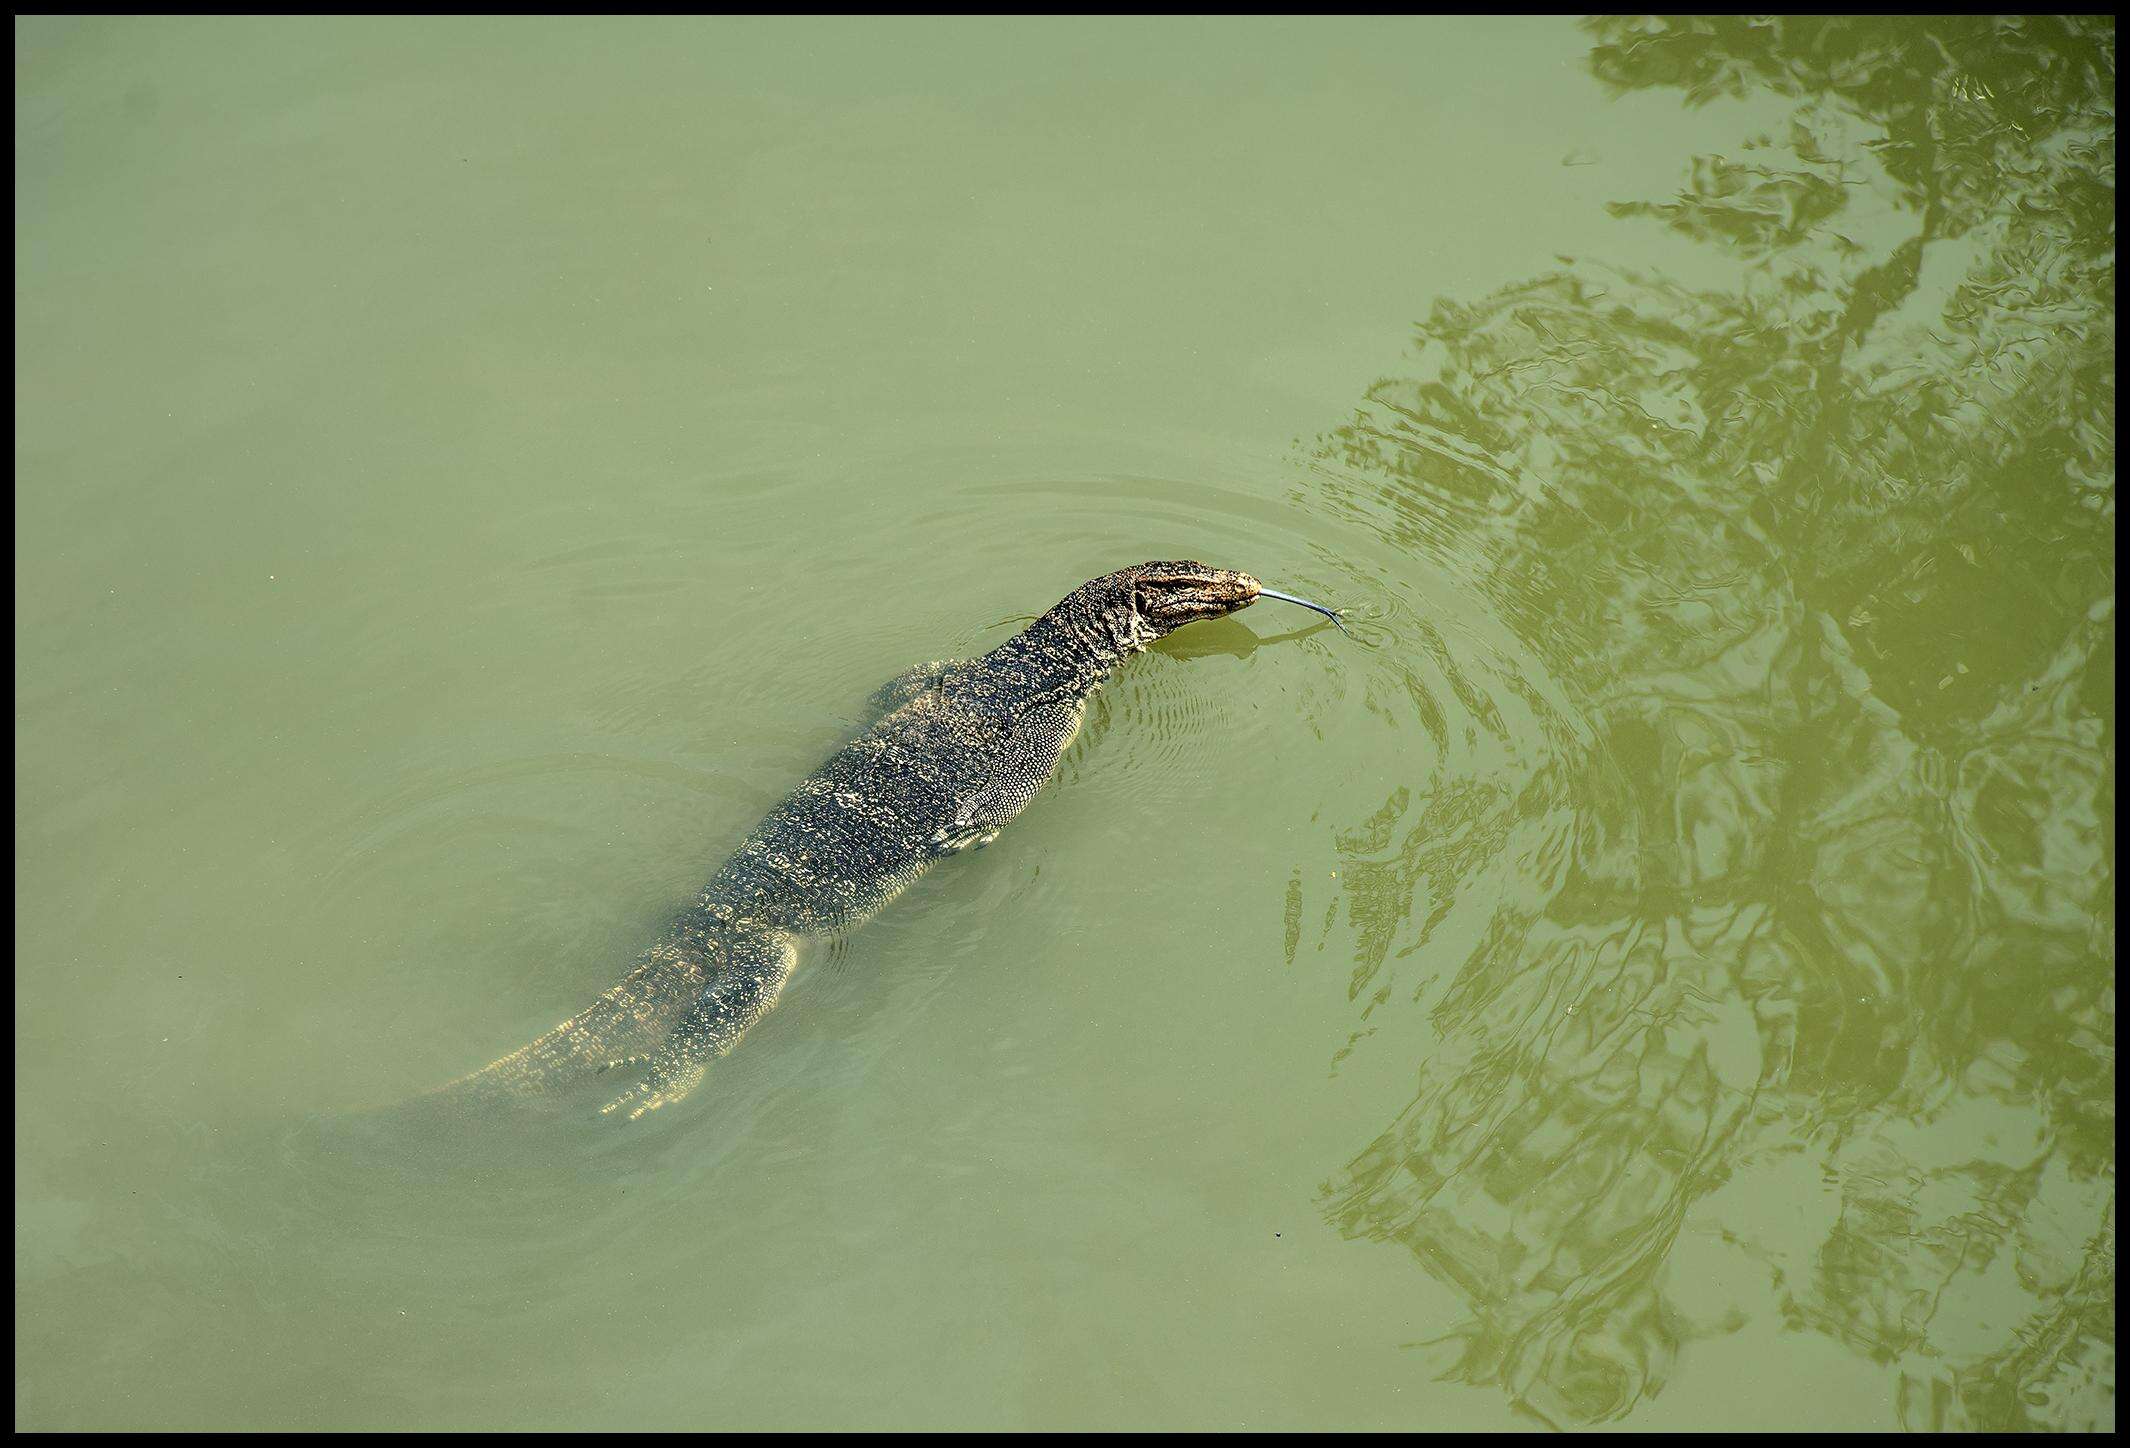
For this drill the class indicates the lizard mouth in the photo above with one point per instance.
(1185, 593)
(1190, 593)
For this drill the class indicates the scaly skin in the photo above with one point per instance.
(960, 749)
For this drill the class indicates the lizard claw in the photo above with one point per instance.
(661, 1087)
(962, 835)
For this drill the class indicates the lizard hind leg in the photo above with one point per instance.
(624, 1025)
(749, 976)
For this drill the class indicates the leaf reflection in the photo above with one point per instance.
(1808, 1016)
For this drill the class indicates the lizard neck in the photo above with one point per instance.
(1068, 653)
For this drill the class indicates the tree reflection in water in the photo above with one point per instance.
(1806, 1011)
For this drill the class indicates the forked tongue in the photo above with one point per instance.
(1330, 613)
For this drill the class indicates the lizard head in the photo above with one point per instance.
(1166, 596)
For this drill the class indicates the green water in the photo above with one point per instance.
(1659, 973)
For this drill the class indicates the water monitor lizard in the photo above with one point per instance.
(955, 750)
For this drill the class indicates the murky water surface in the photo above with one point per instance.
(1659, 972)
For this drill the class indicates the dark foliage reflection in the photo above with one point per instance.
(1809, 1017)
